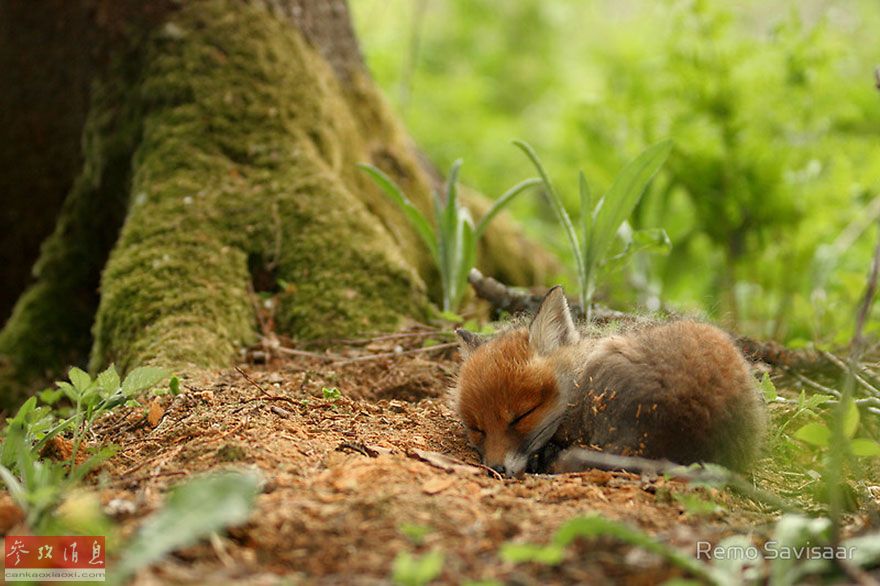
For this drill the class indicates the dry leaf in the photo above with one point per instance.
(156, 412)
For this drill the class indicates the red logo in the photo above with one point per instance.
(54, 558)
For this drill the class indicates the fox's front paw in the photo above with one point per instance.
(541, 461)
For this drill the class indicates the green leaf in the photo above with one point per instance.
(69, 391)
(415, 532)
(416, 219)
(451, 209)
(331, 394)
(864, 448)
(768, 388)
(24, 411)
(409, 570)
(174, 385)
(108, 380)
(80, 379)
(815, 434)
(850, 419)
(518, 553)
(694, 505)
(14, 442)
(142, 378)
(50, 396)
(193, 511)
(16, 490)
(594, 526)
(625, 193)
(559, 210)
(501, 202)
(587, 275)
(468, 257)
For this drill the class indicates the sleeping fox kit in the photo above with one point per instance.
(679, 391)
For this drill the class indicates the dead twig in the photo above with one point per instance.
(858, 341)
(395, 354)
(253, 382)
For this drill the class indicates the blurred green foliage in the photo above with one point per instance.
(770, 195)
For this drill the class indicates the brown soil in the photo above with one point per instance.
(343, 477)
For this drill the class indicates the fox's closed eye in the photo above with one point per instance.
(522, 416)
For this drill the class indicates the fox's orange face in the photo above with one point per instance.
(507, 393)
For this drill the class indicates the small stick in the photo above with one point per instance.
(253, 382)
(394, 354)
(858, 341)
(307, 354)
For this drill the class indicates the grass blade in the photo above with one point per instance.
(502, 201)
(586, 197)
(556, 204)
(412, 213)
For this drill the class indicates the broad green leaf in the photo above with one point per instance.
(192, 511)
(409, 570)
(69, 391)
(502, 201)
(50, 396)
(850, 419)
(768, 388)
(80, 379)
(626, 191)
(864, 447)
(816, 434)
(418, 221)
(142, 378)
(24, 411)
(15, 441)
(108, 380)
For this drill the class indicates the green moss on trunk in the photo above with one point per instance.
(224, 145)
(246, 141)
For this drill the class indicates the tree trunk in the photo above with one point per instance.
(219, 155)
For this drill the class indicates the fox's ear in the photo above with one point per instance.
(552, 326)
(468, 341)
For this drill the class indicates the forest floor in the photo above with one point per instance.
(351, 482)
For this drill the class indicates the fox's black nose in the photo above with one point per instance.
(500, 469)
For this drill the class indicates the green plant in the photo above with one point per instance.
(410, 570)
(596, 526)
(599, 223)
(37, 484)
(331, 394)
(194, 510)
(452, 241)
